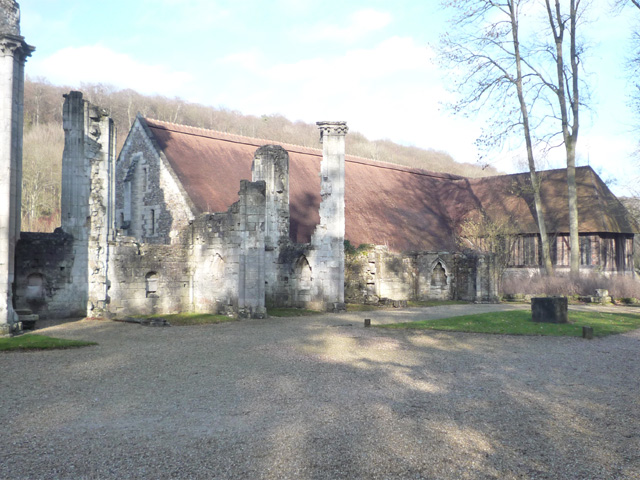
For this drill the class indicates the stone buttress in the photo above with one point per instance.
(87, 199)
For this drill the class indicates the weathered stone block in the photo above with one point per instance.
(549, 309)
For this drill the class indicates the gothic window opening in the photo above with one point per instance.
(217, 266)
(438, 276)
(303, 271)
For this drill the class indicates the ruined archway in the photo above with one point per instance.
(303, 280)
(440, 282)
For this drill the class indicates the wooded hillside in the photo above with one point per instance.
(44, 139)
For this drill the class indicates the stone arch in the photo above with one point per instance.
(303, 281)
(439, 277)
(217, 266)
(303, 273)
(440, 281)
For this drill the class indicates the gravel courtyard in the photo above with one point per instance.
(321, 398)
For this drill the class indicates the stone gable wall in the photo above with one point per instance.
(216, 265)
(156, 211)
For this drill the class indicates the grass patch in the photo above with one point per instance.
(186, 319)
(32, 341)
(518, 322)
(290, 312)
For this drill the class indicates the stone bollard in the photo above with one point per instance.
(587, 333)
(549, 309)
(367, 322)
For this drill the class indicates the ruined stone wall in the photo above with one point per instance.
(375, 275)
(147, 279)
(150, 205)
(44, 263)
(271, 165)
(87, 197)
(216, 265)
(228, 255)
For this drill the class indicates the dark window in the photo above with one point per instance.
(585, 251)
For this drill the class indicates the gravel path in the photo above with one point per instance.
(321, 398)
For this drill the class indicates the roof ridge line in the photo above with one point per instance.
(220, 132)
(254, 141)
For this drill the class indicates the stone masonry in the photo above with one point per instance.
(132, 241)
(87, 199)
(13, 55)
(327, 256)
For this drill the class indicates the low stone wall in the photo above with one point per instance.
(375, 274)
(44, 283)
(147, 279)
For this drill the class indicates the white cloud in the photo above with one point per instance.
(184, 16)
(390, 57)
(247, 60)
(99, 64)
(391, 90)
(360, 24)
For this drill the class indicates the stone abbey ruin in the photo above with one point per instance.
(193, 220)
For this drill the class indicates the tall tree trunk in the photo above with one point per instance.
(535, 183)
(569, 132)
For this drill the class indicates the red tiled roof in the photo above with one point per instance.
(404, 208)
(510, 197)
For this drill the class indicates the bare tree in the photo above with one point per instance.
(498, 74)
(567, 91)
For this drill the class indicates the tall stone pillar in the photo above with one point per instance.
(271, 164)
(87, 199)
(13, 55)
(328, 238)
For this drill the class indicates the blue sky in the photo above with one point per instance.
(367, 62)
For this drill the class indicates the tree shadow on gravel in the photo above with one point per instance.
(293, 398)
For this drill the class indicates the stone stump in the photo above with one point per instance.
(549, 309)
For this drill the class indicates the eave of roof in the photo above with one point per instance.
(408, 209)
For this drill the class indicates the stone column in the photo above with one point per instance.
(251, 253)
(13, 54)
(328, 238)
(271, 164)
